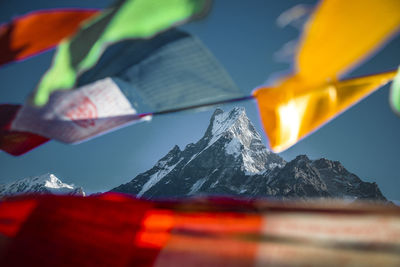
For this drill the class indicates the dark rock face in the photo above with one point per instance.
(230, 159)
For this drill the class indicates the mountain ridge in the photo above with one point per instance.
(230, 159)
(43, 184)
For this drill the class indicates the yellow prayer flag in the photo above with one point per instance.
(342, 33)
(288, 114)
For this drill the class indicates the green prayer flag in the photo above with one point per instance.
(127, 19)
(394, 97)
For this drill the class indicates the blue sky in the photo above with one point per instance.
(243, 35)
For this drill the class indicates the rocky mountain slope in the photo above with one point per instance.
(230, 159)
(43, 184)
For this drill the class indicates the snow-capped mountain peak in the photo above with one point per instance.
(222, 121)
(230, 159)
(42, 184)
(241, 140)
(235, 122)
(230, 144)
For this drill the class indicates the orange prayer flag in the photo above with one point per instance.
(38, 31)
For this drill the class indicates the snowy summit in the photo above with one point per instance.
(43, 184)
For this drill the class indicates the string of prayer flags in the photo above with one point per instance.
(132, 80)
(125, 74)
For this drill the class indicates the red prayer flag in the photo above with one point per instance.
(38, 31)
(16, 142)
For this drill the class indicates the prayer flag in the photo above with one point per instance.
(289, 115)
(394, 98)
(15, 142)
(38, 31)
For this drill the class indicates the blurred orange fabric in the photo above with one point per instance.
(38, 31)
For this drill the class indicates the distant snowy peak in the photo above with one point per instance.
(43, 184)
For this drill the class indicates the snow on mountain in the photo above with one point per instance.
(241, 140)
(43, 184)
(230, 146)
(230, 159)
(156, 177)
